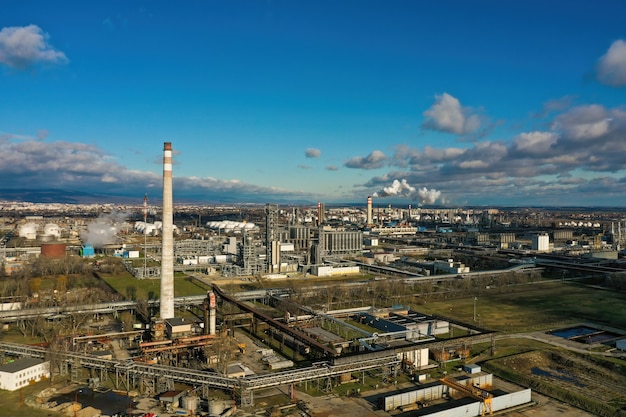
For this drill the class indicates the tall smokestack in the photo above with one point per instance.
(212, 311)
(369, 210)
(167, 245)
(209, 313)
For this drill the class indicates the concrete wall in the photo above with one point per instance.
(425, 394)
(434, 392)
(473, 409)
(511, 400)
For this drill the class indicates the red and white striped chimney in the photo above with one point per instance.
(167, 241)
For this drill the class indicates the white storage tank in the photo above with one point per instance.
(190, 403)
(217, 407)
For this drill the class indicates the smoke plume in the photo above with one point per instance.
(402, 188)
(103, 230)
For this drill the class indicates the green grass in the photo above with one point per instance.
(13, 402)
(151, 288)
(535, 307)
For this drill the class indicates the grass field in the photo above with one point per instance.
(127, 285)
(535, 307)
(13, 402)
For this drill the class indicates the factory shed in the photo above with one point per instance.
(22, 372)
(177, 327)
(403, 319)
(87, 251)
(172, 397)
(472, 368)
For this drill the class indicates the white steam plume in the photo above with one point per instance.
(396, 188)
(427, 196)
(103, 230)
(404, 189)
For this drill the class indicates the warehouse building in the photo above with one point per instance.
(23, 372)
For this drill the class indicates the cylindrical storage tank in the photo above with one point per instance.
(344, 378)
(190, 404)
(46, 238)
(216, 407)
(53, 250)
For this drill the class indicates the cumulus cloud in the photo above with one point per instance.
(332, 168)
(611, 68)
(447, 115)
(547, 166)
(555, 105)
(535, 142)
(585, 122)
(37, 164)
(312, 153)
(374, 160)
(23, 47)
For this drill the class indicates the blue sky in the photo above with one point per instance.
(449, 102)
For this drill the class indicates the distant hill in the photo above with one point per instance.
(83, 197)
(63, 196)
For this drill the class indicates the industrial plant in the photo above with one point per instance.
(287, 302)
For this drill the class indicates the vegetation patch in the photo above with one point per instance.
(566, 376)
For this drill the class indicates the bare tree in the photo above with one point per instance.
(221, 351)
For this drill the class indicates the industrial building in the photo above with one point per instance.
(22, 372)
(466, 395)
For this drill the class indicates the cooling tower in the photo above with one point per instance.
(167, 241)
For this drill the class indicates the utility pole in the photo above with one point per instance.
(475, 298)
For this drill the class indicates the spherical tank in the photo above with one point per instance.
(52, 229)
(28, 231)
(53, 250)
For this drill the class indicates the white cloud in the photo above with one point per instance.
(585, 122)
(374, 160)
(36, 164)
(535, 142)
(22, 47)
(447, 115)
(445, 154)
(474, 164)
(312, 153)
(611, 69)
